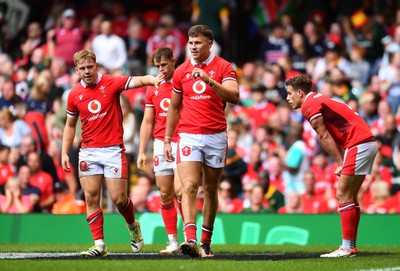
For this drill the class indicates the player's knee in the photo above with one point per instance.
(166, 196)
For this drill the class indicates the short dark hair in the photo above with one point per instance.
(300, 81)
(201, 30)
(162, 51)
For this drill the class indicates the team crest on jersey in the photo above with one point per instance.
(116, 170)
(188, 75)
(80, 97)
(102, 89)
(186, 151)
(156, 92)
(156, 161)
(212, 72)
(83, 166)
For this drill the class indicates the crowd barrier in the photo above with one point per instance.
(298, 229)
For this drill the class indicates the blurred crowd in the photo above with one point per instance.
(274, 165)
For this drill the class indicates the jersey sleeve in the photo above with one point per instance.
(148, 98)
(121, 83)
(177, 82)
(311, 107)
(72, 110)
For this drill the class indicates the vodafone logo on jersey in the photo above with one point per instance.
(164, 104)
(94, 106)
(199, 87)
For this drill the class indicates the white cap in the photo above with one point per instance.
(69, 13)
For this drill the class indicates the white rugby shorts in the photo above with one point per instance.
(210, 149)
(108, 161)
(161, 166)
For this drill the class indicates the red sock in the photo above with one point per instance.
(206, 234)
(128, 212)
(358, 216)
(180, 209)
(348, 218)
(190, 231)
(169, 215)
(95, 222)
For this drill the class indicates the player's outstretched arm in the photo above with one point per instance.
(146, 80)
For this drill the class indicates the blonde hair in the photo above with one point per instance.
(37, 91)
(83, 55)
(13, 181)
(6, 113)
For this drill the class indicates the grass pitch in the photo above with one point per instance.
(45, 257)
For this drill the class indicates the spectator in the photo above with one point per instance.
(258, 205)
(28, 145)
(215, 14)
(274, 197)
(298, 52)
(140, 192)
(9, 98)
(274, 46)
(314, 39)
(43, 180)
(296, 161)
(65, 202)
(323, 171)
(293, 204)
(6, 171)
(14, 202)
(34, 39)
(261, 109)
(378, 126)
(390, 82)
(68, 38)
(381, 202)
(67, 178)
(311, 202)
(227, 201)
(24, 175)
(359, 68)
(37, 99)
(59, 73)
(391, 46)
(136, 48)
(368, 107)
(12, 130)
(109, 48)
(275, 169)
(162, 37)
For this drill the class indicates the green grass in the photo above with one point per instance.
(385, 257)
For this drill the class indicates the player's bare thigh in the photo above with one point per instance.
(190, 174)
(91, 186)
(118, 191)
(348, 187)
(165, 184)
